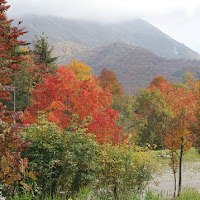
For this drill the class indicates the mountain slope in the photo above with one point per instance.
(141, 33)
(65, 51)
(134, 66)
(137, 32)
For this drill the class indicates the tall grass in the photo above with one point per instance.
(88, 193)
(189, 194)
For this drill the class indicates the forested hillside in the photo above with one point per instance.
(65, 51)
(135, 66)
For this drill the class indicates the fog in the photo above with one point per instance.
(177, 18)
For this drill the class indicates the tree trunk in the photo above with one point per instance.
(115, 192)
(174, 168)
(174, 183)
(14, 106)
(180, 171)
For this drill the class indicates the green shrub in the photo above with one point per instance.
(70, 160)
(124, 169)
(65, 160)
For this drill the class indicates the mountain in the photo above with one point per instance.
(65, 51)
(134, 66)
(136, 51)
(90, 34)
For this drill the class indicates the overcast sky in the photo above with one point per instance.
(180, 19)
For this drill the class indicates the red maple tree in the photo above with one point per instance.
(63, 95)
(11, 59)
(12, 166)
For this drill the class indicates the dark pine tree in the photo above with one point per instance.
(42, 51)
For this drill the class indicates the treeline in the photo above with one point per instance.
(62, 128)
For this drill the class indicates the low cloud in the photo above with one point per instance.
(177, 18)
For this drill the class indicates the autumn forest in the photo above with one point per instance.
(66, 133)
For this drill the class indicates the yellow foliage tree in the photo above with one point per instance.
(124, 168)
(83, 70)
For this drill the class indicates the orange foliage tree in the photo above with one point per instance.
(109, 78)
(63, 95)
(196, 89)
(179, 134)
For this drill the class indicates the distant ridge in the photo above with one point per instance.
(90, 34)
(136, 51)
(134, 66)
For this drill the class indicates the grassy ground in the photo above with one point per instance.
(163, 156)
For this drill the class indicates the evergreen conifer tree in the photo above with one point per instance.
(42, 51)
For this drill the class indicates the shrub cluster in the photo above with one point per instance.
(68, 160)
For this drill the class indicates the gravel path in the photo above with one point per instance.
(190, 178)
